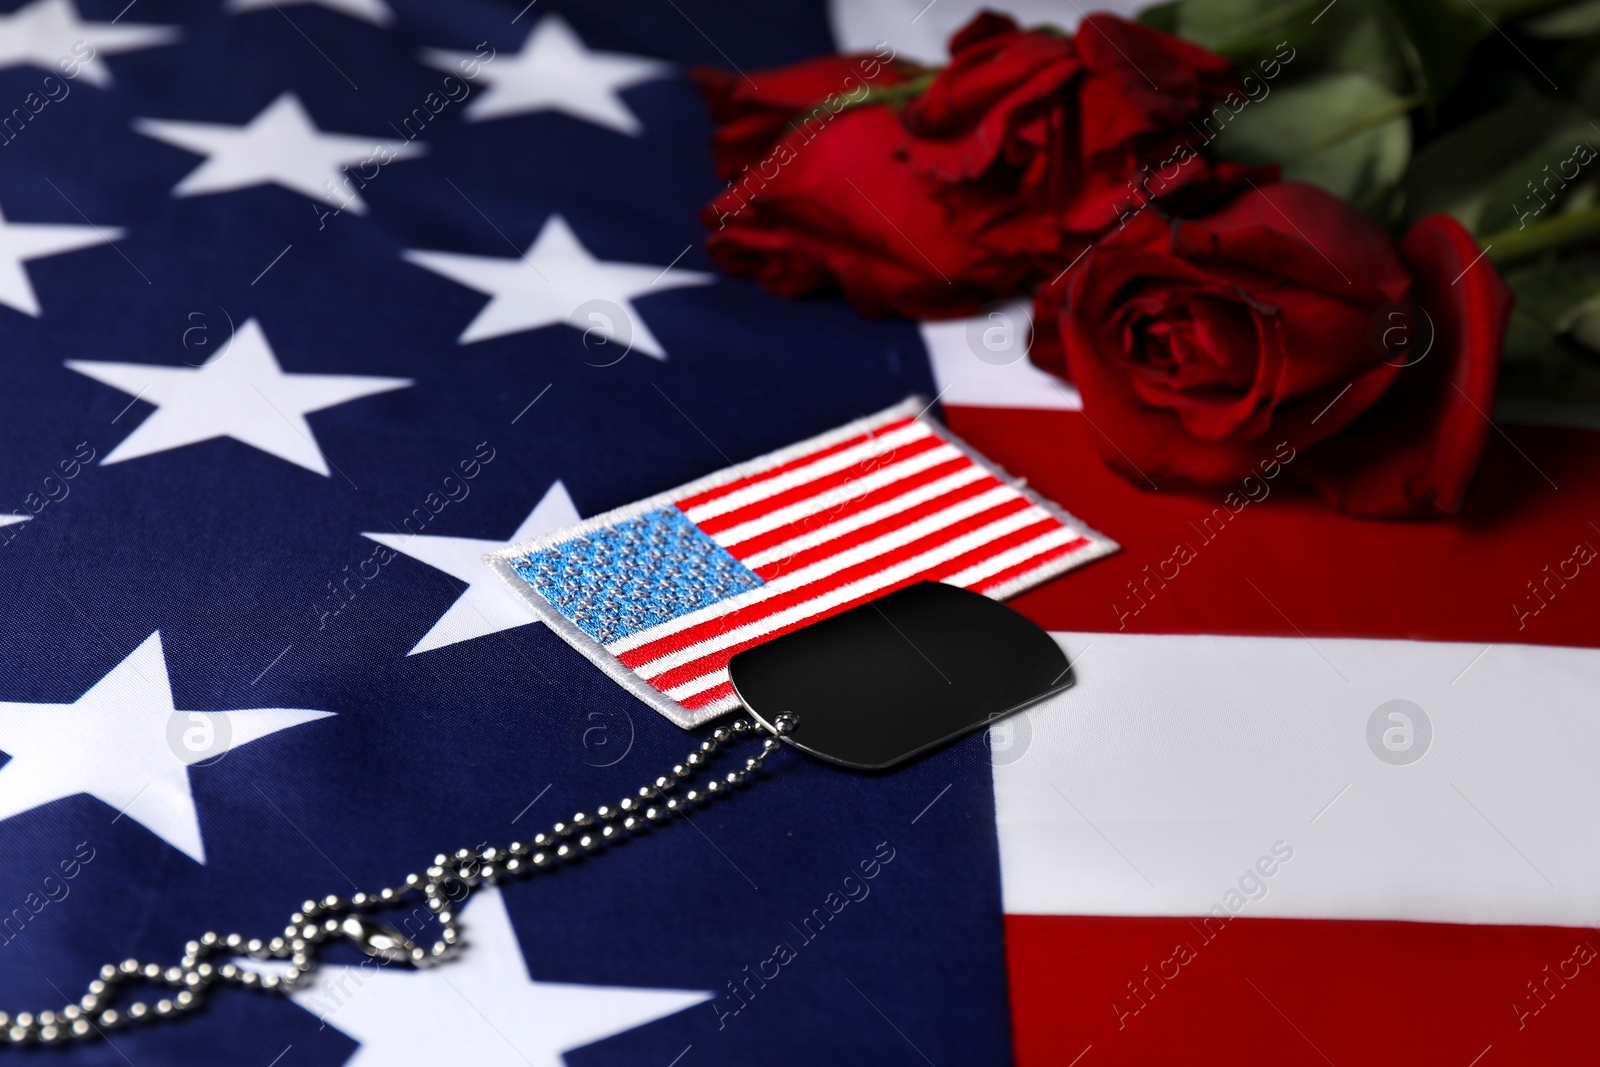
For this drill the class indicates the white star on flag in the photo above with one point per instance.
(486, 606)
(280, 146)
(552, 280)
(556, 71)
(374, 11)
(481, 1008)
(241, 392)
(22, 241)
(124, 743)
(47, 32)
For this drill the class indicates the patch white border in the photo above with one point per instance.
(500, 560)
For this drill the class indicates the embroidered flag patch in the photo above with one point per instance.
(662, 593)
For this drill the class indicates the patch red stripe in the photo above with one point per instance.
(888, 525)
(783, 468)
(654, 650)
(766, 506)
(855, 505)
(715, 693)
(1028, 565)
(688, 672)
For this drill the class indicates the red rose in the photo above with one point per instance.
(1025, 148)
(1085, 128)
(1201, 346)
(843, 207)
(752, 118)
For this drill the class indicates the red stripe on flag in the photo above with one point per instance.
(1296, 991)
(1299, 992)
(1461, 579)
(800, 461)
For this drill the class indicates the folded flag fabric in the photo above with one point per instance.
(661, 593)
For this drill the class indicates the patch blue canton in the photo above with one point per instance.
(631, 576)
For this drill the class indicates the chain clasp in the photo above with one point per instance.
(378, 940)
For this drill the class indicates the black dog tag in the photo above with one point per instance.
(876, 685)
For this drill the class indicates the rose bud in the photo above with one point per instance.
(1199, 346)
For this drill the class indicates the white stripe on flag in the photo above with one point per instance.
(1155, 785)
(841, 460)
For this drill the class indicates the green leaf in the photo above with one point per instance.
(1243, 29)
(1163, 17)
(1529, 347)
(1537, 187)
(1345, 132)
(1363, 42)
(1436, 39)
(1479, 172)
(1555, 329)
(1555, 294)
(1324, 36)
(1505, 12)
(1585, 328)
(1563, 231)
(1535, 362)
(1587, 90)
(1415, 47)
(1575, 20)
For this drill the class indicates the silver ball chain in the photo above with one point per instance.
(444, 886)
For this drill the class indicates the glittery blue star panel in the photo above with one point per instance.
(645, 571)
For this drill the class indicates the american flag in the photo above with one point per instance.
(287, 294)
(252, 653)
(662, 593)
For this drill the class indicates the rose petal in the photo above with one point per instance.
(1298, 231)
(844, 208)
(754, 114)
(1417, 449)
